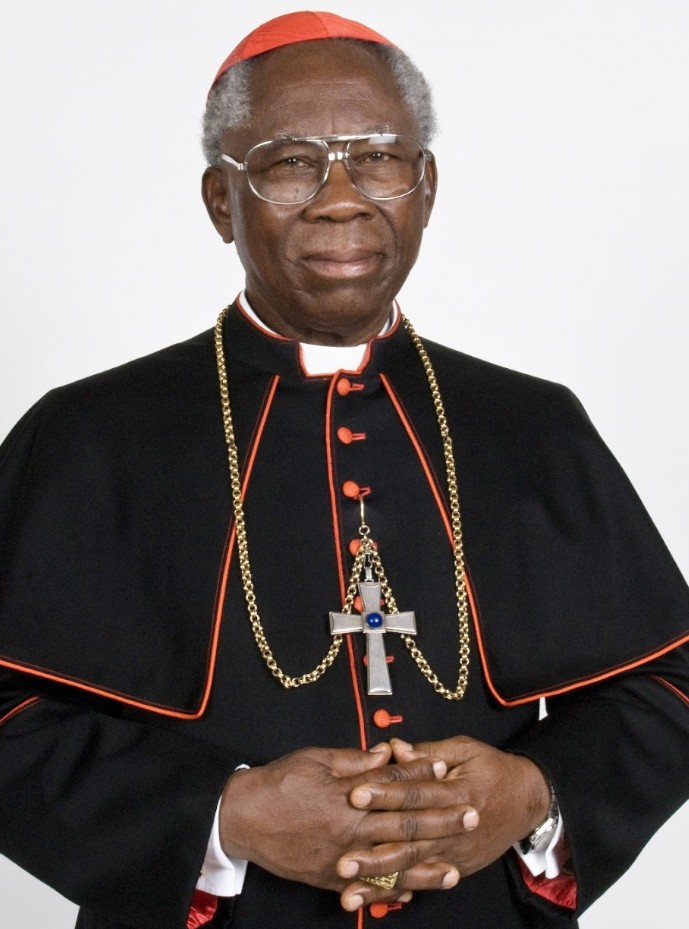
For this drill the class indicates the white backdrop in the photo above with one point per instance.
(558, 246)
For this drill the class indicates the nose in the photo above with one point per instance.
(339, 198)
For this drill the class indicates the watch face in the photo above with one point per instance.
(540, 838)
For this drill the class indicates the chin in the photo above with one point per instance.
(347, 325)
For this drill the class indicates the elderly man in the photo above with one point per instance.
(280, 604)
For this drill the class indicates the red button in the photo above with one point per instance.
(383, 719)
(351, 489)
(344, 385)
(379, 910)
(346, 436)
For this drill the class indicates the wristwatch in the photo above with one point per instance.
(540, 838)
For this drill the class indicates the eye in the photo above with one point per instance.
(377, 156)
(373, 158)
(289, 158)
(293, 162)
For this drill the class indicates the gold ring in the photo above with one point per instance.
(386, 881)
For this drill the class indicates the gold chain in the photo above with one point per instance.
(243, 547)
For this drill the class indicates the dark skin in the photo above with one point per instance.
(327, 272)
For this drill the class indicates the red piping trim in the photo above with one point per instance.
(430, 477)
(157, 708)
(338, 554)
(675, 690)
(422, 457)
(281, 338)
(98, 691)
(365, 360)
(586, 681)
(25, 704)
(331, 482)
(367, 353)
(245, 483)
(261, 329)
(565, 688)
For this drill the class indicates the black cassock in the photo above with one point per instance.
(132, 685)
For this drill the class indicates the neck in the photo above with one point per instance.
(337, 330)
(318, 338)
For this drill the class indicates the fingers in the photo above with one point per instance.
(406, 795)
(426, 875)
(428, 796)
(387, 858)
(453, 751)
(414, 826)
(359, 894)
(406, 857)
(403, 751)
(347, 762)
(418, 771)
(413, 809)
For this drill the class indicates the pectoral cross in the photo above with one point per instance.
(374, 623)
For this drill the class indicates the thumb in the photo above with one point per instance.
(347, 762)
(452, 751)
(403, 751)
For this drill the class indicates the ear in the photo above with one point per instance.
(216, 196)
(430, 187)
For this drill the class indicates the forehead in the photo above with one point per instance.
(325, 88)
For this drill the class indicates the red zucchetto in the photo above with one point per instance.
(304, 26)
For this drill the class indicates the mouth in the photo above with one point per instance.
(351, 263)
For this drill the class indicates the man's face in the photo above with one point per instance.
(326, 270)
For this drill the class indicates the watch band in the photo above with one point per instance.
(540, 838)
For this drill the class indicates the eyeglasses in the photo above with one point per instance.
(289, 171)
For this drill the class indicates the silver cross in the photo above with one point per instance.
(374, 623)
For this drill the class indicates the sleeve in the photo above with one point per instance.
(114, 813)
(617, 754)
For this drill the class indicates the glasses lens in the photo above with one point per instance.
(286, 171)
(386, 166)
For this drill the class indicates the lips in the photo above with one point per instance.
(346, 263)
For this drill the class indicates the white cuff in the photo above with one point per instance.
(220, 875)
(546, 861)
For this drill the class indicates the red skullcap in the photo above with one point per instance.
(297, 27)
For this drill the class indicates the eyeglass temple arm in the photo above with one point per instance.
(240, 166)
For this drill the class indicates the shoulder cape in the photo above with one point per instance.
(116, 511)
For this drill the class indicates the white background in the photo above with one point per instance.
(559, 243)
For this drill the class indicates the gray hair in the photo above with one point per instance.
(228, 104)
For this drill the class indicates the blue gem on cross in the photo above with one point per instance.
(374, 620)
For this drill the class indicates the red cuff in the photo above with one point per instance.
(203, 907)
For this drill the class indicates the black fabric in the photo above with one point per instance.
(116, 505)
(119, 483)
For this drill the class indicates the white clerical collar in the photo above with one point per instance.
(325, 359)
